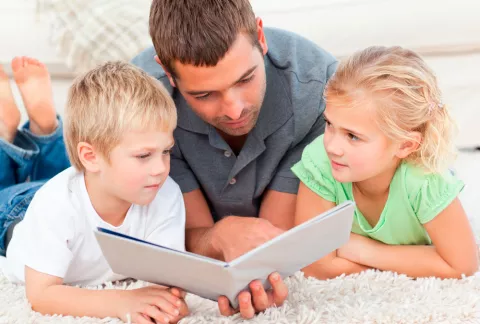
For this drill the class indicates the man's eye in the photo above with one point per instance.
(203, 97)
(246, 80)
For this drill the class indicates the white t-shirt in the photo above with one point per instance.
(56, 236)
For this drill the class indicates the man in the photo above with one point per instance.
(249, 100)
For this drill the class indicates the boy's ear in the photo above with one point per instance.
(169, 75)
(409, 146)
(88, 157)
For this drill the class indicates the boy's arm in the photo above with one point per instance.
(452, 254)
(48, 295)
(310, 204)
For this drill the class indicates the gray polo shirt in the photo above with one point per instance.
(290, 118)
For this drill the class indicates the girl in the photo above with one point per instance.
(387, 145)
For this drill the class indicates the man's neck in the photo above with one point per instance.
(110, 209)
(235, 142)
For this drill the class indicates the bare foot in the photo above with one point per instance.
(34, 83)
(9, 114)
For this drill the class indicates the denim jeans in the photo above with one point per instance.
(25, 165)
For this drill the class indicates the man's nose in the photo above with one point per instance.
(232, 105)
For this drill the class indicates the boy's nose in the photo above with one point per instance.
(158, 168)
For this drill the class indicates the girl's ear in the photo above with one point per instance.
(409, 146)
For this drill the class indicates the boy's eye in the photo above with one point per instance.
(143, 156)
(167, 152)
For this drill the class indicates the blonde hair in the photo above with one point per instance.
(110, 100)
(407, 99)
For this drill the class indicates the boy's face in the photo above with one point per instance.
(357, 148)
(138, 166)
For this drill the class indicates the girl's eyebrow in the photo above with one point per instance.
(345, 129)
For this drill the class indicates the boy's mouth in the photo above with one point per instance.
(154, 186)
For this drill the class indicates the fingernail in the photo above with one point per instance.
(275, 277)
(177, 312)
(167, 320)
(179, 303)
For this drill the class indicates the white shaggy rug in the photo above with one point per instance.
(369, 297)
(372, 297)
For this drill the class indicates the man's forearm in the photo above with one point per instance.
(201, 241)
(333, 268)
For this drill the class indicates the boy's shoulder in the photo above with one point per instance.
(58, 188)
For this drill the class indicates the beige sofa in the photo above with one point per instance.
(446, 33)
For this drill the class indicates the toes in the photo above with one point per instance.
(17, 63)
(32, 61)
(3, 74)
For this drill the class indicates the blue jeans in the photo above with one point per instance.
(25, 165)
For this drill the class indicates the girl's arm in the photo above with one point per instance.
(453, 253)
(309, 205)
(48, 295)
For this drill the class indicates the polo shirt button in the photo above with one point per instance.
(227, 153)
(233, 181)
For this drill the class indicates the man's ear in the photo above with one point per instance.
(169, 75)
(88, 157)
(261, 36)
(409, 146)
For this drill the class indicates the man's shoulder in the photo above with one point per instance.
(146, 61)
(291, 52)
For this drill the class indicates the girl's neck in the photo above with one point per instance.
(110, 209)
(377, 186)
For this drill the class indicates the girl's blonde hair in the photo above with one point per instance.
(407, 99)
(110, 100)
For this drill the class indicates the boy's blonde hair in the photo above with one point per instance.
(110, 100)
(407, 98)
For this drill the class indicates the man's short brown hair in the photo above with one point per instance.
(199, 32)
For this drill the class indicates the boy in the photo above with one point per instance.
(119, 133)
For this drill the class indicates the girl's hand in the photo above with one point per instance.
(356, 246)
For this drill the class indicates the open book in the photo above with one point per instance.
(210, 278)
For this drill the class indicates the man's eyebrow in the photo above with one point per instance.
(244, 75)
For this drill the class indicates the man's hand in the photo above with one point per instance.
(236, 235)
(258, 300)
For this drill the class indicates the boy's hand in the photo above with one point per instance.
(152, 305)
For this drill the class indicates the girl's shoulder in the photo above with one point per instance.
(429, 193)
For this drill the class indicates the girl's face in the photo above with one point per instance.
(357, 148)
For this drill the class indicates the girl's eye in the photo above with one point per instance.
(353, 137)
(167, 152)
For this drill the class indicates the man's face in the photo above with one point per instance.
(229, 95)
